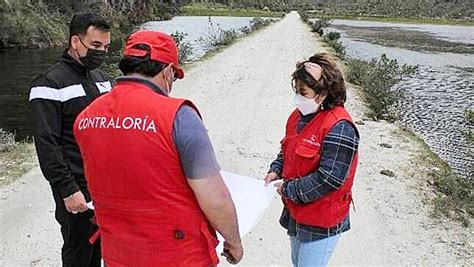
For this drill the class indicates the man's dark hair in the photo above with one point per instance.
(81, 22)
(142, 65)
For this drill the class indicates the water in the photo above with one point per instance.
(197, 27)
(438, 95)
(19, 67)
(454, 33)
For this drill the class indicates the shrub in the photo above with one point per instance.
(470, 116)
(377, 78)
(255, 24)
(454, 196)
(319, 25)
(7, 141)
(331, 36)
(468, 131)
(338, 48)
(304, 16)
(184, 48)
(217, 36)
(332, 39)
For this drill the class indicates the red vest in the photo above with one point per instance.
(146, 211)
(302, 153)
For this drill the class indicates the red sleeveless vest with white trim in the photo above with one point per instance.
(301, 156)
(146, 211)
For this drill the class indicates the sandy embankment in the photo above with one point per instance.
(244, 95)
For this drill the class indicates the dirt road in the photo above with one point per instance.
(244, 95)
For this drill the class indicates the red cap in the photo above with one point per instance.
(163, 48)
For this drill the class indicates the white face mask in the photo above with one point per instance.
(305, 105)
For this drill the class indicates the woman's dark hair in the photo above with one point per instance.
(142, 65)
(81, 22)
(331, 81)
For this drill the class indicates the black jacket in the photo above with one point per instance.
(56, 98)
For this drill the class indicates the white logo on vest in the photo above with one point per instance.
(127, 123)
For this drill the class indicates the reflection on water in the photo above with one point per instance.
(439, 94)
(18, 68)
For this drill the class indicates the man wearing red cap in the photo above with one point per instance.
(151, 168)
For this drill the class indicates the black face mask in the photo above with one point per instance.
(93, 59)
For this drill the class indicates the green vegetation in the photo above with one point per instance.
(216, 36)
(454, 195)
(469, 132)
(396, 37)
(428, 10)
(377, 79)
(319, 25)
(470, 116)
(185, 49)
(16, 158)
(43, 23)
(256, 24)
(332, 40)
(23, 25)
(201, 10)
(397, 19)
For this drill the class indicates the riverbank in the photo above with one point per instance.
(25, 25)
(396, 37)
(419, 12)
(16, 158)
(458, 22)
(452, 190)
(43, 24)
(244, 96)
(221, 10)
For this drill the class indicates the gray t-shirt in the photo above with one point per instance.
(193, 144)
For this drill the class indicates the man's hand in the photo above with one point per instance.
(271, 177)
(233, 253)
(216, 202)
(76, 203)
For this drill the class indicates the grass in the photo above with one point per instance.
(453, 195)
(200, 10)
(397, 19)
(16, 158)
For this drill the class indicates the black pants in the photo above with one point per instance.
(76, 230)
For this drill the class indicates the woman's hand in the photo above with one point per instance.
(279, 188)
(271, 177)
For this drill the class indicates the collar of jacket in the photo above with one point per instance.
(74, 64)
(142, 81)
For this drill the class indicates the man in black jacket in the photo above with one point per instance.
(56, 98)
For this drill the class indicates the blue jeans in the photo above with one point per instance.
(316, 253)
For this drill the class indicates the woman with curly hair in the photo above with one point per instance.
(317, 162)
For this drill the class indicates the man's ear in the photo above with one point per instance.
(169, 67)
(74, 41)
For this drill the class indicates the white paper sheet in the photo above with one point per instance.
(250, 197)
